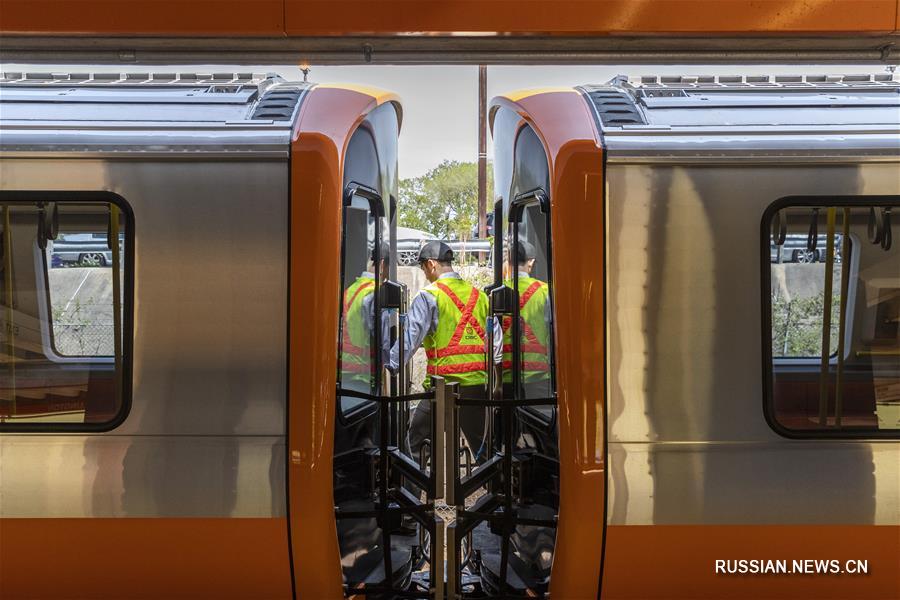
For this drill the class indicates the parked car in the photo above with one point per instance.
(795, 250)
(82, 249)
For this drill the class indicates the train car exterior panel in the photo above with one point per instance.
(146, 17)
(317, 17)
(102, 476)
(695, 470)
(734, 483)
(144, 558)
(211, 287)
(685, 348)
(195, 472)
(597, 17)
(683, 559)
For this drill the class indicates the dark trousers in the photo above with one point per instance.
(471, 421)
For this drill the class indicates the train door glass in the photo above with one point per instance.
(64, 310)
(383, 498)
(832, 310)
(502, 542)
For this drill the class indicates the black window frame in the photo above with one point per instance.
(75, 197)
(768, 396)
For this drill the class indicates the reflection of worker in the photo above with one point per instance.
(534, 329)
(448, 317)
(357, 357)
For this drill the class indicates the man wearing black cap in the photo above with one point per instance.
(449, 317)
(534, 326)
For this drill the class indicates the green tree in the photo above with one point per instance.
(444, 201)
(797, 326)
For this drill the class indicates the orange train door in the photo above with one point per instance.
(352, 492)
(548, 511)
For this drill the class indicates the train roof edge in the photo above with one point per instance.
(866, 101)
(224, 112)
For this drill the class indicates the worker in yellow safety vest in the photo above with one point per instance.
(534, 326)
(357, 366)
(449, 317)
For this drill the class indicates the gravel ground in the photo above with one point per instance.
(82, 310)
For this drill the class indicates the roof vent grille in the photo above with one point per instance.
(277, 104)
(614, 108)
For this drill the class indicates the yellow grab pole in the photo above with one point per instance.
(826, 320)
(842, 318)
(117, 294)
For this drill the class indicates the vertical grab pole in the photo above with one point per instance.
(384, 422)
(451, 427)
(439, 413)
(400, 411)
(8, 300)
(451, 424)
(438, 419)
(401, 345)
(113, 244)
(826, 318)
(842, 317)
(436, 577)
(453, 562)
(509, 412)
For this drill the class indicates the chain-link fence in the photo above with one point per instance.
(84, 339)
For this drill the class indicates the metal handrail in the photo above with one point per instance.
(826, 316)
(842, 317)
(113, 243)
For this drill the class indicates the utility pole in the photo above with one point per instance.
(482, 152)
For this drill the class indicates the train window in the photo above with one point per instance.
(832, 311)
(64, 309)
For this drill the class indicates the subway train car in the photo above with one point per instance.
(207, 414)
(158, 433)
(726, 420)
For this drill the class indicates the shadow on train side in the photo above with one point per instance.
(703, 369)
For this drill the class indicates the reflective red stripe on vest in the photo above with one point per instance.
(533, 343)
(349, 303)
(527, 347)
(528, 365)
(532, 289)
(456, 369)
(351, 367)
(455, 351)
(349, 348)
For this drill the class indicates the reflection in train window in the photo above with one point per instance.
(358, 371)
(79, 270)
(63, 312)
(833, 315)
(798, 295)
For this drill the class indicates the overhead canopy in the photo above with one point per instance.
(487, 32)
